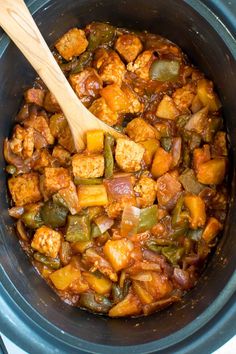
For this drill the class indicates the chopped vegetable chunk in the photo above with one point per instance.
(212, 172)
(167, 109)
(118, 253)
(138, 130)
(92, 196)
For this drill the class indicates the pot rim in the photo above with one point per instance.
(16, 312)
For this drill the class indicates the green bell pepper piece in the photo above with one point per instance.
(108, 155)
(53, 215)
(147, 219)
(78, 228)
(53, 263)
(164, 70)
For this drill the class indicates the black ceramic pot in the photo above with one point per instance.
(30, 313)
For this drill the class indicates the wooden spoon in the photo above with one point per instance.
(18, 23)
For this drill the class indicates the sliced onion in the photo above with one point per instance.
(13, 159)
(181, 277)
(142, 276)
(16, 212)
(176, 151)
(129, 221)
(39, 141)
(120, 187)
(104, 223)
(21, 230)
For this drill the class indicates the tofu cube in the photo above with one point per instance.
(54, 179)
(47, 241)
(25, 189)
(35, 96)
(72, 43)
(128, 46)
(88, 166)
(129, 155)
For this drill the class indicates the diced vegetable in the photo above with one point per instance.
(95, 302)
(87, 181)
(93, 195)
(104, 223)
(176, 151)
(64, 277)
(98, 282)
(150, 146)
(212, 228)
(78, 228)
(207, 96)
(31, 217)
(195, 234)
(129, 306)
(165, 70)
(161, 162)
(212, 172)
(190, 183)
(11, 169)
(95, 139)
(16, 212)
(22, 231)
(166, 143)
(108, 155)
(81, 246)
(198, 121)
(53, 215)
(69, 198)
(177, 219)
(197, 210)
(129, 221)
(100, 34)
(173, 254)
(119, 188)
(118, 252)
(143, 295)
(148, 218)
(53, 263)
(167, 109)
(81, 62)
(200, 156)
(65, 252)
(168, 190)
(117, 293)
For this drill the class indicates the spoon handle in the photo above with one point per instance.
(18, 23)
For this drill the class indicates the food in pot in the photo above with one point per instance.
(125, 227)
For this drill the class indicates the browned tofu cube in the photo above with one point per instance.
(128, 46)
(50, 103)
(145, 191)
(25, 189)
(168, 191)
(44, 160)
(72, 43)
(47, 241)
(86, 84)
(22, 142)
(35, 96)
(61, 155)
(40, 124)
(88, 166)
(54, 179)
(183, 97)
(128, 155)
(142, 64)
(102, 111)
(139, 130)
(115, 98)
(110, 67)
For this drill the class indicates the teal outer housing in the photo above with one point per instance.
(31, 315)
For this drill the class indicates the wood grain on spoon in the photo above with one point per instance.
(18, 23)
